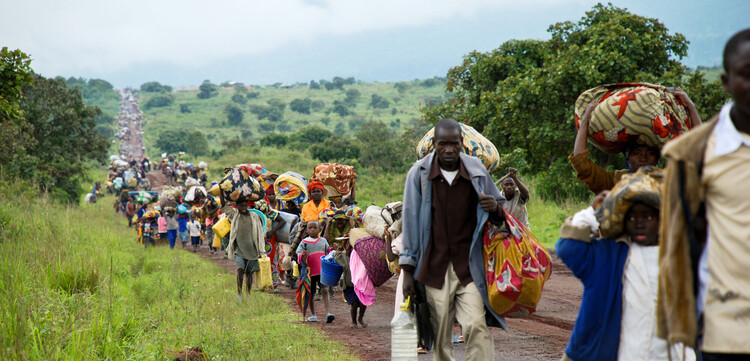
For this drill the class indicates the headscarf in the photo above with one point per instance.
(269, 190)
(643, 186)
(316, 185)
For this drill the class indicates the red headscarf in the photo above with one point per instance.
(269, 190)
(316, 185)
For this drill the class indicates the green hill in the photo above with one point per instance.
(266, 109)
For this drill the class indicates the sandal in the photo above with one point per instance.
(330, 317)
(312, 319)
(421, 350)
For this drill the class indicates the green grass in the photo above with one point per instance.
(546, 217)
(75, 285)
(207, 115)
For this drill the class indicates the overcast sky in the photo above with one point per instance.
(183, 42)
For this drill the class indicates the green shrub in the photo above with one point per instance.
(559, 183)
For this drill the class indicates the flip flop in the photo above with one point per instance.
(330, 317)
(312, 319)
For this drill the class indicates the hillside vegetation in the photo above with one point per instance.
(76, 286)
(249, 113)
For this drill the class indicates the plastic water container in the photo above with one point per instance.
(404, 334)
(330, 272)
(265, 282)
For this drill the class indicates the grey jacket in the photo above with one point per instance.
(417, 217)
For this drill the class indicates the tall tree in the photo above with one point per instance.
(15, 74)
(521, 94)
(65, 137)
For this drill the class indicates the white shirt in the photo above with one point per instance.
(449, 175)
(194, 228)
(638, 339)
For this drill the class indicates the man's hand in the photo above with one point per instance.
(304, 252)
(408, 286)
(489, 203)
(512, 172)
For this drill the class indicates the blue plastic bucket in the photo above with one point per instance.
(330, 272)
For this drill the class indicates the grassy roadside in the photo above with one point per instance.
(75, 285)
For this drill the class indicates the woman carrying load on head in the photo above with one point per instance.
(311, 210)
(598, 179)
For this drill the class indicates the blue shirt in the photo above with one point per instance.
(599, 264)
(182, 223)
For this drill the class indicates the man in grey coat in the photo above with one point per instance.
(448, 197)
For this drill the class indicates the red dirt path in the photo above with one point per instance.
(541, 336)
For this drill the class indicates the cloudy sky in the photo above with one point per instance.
(183, 42)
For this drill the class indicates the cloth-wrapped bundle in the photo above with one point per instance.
(144, 197)
(643, 186)
(338, 179)
(632, 113)
(291, 186)
(350, 211)
(239, 186)
(376, 218)
(475, 144)
(371, 251)
(196, 196)
(252, 169)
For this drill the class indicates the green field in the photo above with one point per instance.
(208, 116)
(76, 286)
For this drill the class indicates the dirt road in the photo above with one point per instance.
(541, 336)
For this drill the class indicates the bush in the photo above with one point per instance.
(252, 95)
(335, 148)
(559, 183)
(379, 102)
(159, 101)
(317, 105)
(239, 99)
(184, 108)
(155, 87)
(207, 90)
(301, 106)
(352, 95)
(340, 108)
(277, 140)
(234, 114)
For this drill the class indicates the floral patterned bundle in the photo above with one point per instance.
(516, 265)
(239, 186)
(630, 114)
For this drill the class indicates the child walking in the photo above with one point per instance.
(194, 228)
(619, 272)
(356, 307)
(310, 250)
(182, 220)
(162, 227)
